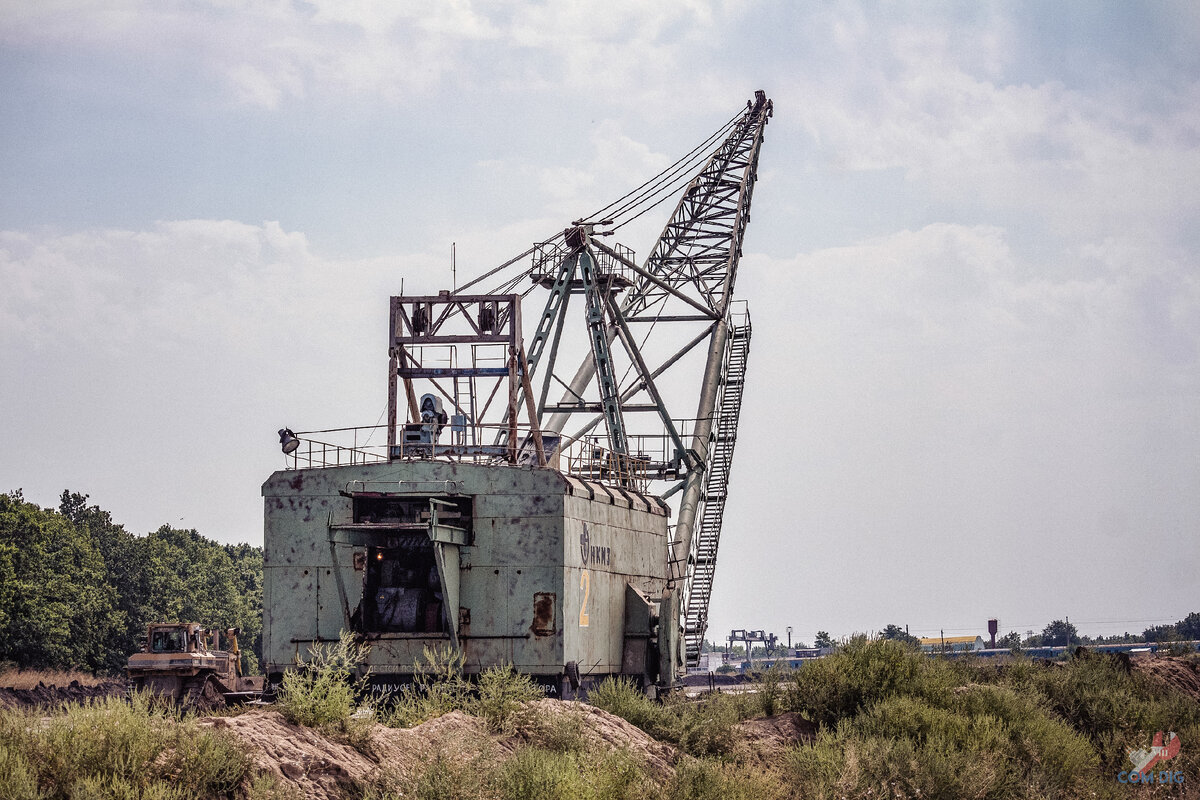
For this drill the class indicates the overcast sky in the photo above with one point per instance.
(972, 266)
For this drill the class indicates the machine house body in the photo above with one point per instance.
(556, 575)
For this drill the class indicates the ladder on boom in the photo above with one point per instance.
(716, 487)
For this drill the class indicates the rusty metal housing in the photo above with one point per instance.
(513, 565)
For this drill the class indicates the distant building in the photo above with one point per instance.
(954, 644)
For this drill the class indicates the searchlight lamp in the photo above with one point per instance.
(288, 441)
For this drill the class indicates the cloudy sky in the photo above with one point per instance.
(975, 380)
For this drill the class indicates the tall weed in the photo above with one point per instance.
(440, 687)
(536, 773)
(620, 696)
(712, 780)
(111, 748)
(703, 727)
(769, 688)
(502, 697)
(321, 691)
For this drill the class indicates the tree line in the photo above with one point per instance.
(77, 590)
(1056, 634)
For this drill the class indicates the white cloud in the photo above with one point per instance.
(269, 52)
(918, 97)
(936, 400)
(167, 350)
(181, 282)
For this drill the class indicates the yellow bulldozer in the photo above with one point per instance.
(190, 665)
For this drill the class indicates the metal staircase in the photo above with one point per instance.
(704, 552)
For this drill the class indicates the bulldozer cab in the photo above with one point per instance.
(179, 638)
(168, 640)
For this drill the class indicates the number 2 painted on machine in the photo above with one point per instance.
(585, 585)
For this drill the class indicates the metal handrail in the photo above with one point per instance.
(652, 457)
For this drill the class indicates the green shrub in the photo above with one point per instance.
(711, 780)
(862, 672)
(706, 727)
(533, 772)
(111, 748)
(703, 727)
(558, 732)
(447, 779)
(622, 697)
(17, 776)
(438, 688)
(321, 691)
(503, 693)
(980, 741)
(769, 688)
(1116, 709)
(536, 773)
(817, 767)
(264, 786)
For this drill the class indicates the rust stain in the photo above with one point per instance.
(543, 614)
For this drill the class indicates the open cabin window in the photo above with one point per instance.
(170, 641)
(402, 590)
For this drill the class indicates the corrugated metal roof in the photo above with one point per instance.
(950, 640)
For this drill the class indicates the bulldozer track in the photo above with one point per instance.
(203, 694)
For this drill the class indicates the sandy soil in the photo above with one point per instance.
(322, 767)
(1179, 672)
(764, 740)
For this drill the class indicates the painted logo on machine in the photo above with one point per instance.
(593, 555)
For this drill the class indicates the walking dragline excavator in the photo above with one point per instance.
(543, 502)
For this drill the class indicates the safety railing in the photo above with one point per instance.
(652, 457)
(315, 453)
(547, 256)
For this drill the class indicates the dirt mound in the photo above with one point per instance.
(608, 731)
(764, 739)
(323, 768)
(318, 766)
(1180, 673)
(43, 696)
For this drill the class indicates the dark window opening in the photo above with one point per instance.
(412, 511)
(402, 590)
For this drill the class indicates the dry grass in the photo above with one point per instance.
(13, 678)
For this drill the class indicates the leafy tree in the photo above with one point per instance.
(899, 634)
(1160, 633)
(1011, 640)
(1189, 626)
(1059, 633)
(77, 589)
(59, 608)
(124, 571)
(823, 640)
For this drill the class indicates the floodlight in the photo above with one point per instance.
(288, 441)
